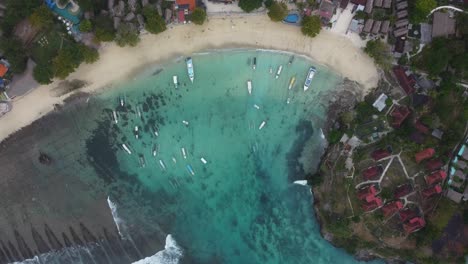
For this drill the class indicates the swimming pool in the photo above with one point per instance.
(292, 18)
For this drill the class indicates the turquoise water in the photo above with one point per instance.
(241, 206)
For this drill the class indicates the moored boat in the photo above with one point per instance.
(127, 149)
(271, 70)
(262, 125)
(122, 101)
(254, 66)
(184, 154)
(154, 150)
(142, 161)
(203, 160)
(309, 78)
(190, 71)
(280, 68)
(249, 86)
(162, 165)
(174, 79)
(291, 60)
(114, 114)
(136, 133)
(190, 170)
(256, 106)
(291, 82)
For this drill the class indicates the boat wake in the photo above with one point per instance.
(171, 254)
(119, 222)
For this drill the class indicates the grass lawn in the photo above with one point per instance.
(51, 43)
(443, 213)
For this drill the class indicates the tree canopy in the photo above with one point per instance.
(277, 11)
(379, 51)
(154, 22)
(43, 73)
(15, 11)
(250, 5)
(42, 17)
(198, 16)
(86, 26)
(127, 34)
(67, 60)
(90, 55)
(104, 28)
(15, 53)
(311, 26)
(419, 9)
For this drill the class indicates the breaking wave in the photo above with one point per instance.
(171, 254)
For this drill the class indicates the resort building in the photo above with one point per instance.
(380, 104)
(454, 196)
(380, 154)
(391, 208)
(421, 127)
(406, 82)
(407, 214)
(326, 11)
(436, 177)
(402, 190)
(372, 173)
(425, 154)
(431, 191)
(368, 25)
(414, 225)
(367, 193)
(443, 25)
(434, 164)
(399, 115)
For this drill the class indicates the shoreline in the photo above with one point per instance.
(219, 33)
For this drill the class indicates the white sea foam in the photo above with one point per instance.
(171, 254)
(119, 223)
(301, 182)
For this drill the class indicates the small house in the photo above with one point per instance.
(414, 225)
(407, 214)
(434, 164)
(431, 191)
(380, 154)
(368, 26)
(406, 82)
(425, 154)
(442, 25)
(402, 190)
(391, 208)
(372, 173)
(436, 177)
(399, 115)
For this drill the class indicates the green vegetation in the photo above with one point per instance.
(250, 5)
(311, 26)
(198, 16)
(89, 55)
(127, 34)
(277, 11)
(43, 73)
(154, 24)
(379, 51)
(360, 15)
(15, 53)
(334, 136)
(419, 9)
(104, 28)
(17, 10)
(69, 58)
(86, 26)
(42, 17)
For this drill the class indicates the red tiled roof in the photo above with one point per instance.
(428, 192)
(407, 214)
(380, 154)
(414, 225)
(369, 206)
(391, 208)
(399, 115)
(366, 192)
(372, 173)
(421, 127)
(3, 70)
(402, 190)
(191, 3)
(407, 83)
(436, 177)
(425, 154)
(434, 164)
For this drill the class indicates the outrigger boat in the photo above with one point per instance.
(203, 160)
(138, 112)
(163, 166)
(256, 106)
(280, 68)
(174, 78)
(184, 154)
(155, 150)
(136, 132)
(190, 71)
(156, 133)
(291, 60)
(126, 149)
(142, 161)
(114, 114)
(190, 170)
(262, 125)
(174, 160)
(185, 122)
(291, 82)
(249, 86)
(310, 77)
(122, 101)
(254, 66)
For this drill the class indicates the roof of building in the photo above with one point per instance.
(402, 190)
(417, 137)
(378, 3)
(460, 174)
(391, 208)
(407, 214)
(379, 104)
(414, 225)
(369, 6)
(406, 82)
(421, 127)
(437, 133)
(442, 25)
(366, 192)
(420, 100)
(402, 5)
(190, 3)
(181, 16)
(368, 25)
(376, 27)
(436, 177)
(425, 154)
(434, 164)
(428, 192)
(399, 45)
(402, 14)
(399, 115)
(359, 2)
(402, 23)
(454, 196)
(387, 4)
(426, 33)
(385, 27)
(326, 9)
(344, 4)
(380, 154)
(461, 164)
(3, 70)
(372, 173)
(354, 26)
(369, 206)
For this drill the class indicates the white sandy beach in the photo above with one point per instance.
(221, 32)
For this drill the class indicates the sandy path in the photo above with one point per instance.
(220, 32)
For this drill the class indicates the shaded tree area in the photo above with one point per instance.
(154, 22)
(380, 52)
(127, 35)
(419, 9)
(198, 16)
(16, 54)
(42, 17)
(277, 11)
(250, 5)
(17, 10)
(104, 28)
(311, 26)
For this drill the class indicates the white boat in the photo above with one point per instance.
(142, 161)
(155, 151)
(203, 160)
(256, 106)
(174, 78)
(161, 163)
(122, 102)
(249, 86)
(262, 125)
(174, 160)
(309, 78)
(114, 114)
(156, 133)
(271, 70)
(190, 71)
(291, 82)
(136, 132)
(254, 66)
(184, 154)
(138, 111)
(126, 149)
(280, 68)
(190, 170)
(288, 100)
(185, 122)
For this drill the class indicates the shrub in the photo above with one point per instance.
(311, 26)
(86, 26)
(42, 17)
(249, 5)
(277, 11)
(154, 22)
(198, 16)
